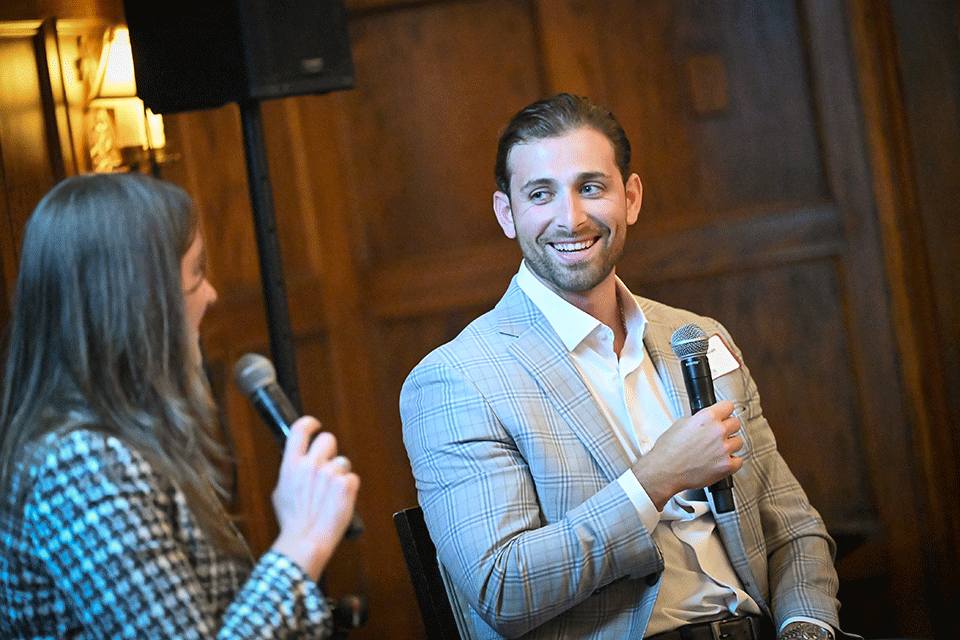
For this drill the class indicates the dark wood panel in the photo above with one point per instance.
(757, 240)
(469, 276)
(333, 302)
(915, 167)
(305, 153)
(756, 141)
(899, 482)
(571, 38)
(445, 281)
(213, 171)
(434, 84)
(928, 50)
(763, 147)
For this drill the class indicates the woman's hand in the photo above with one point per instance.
(314, 497)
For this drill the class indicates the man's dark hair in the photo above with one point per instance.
(556, 116)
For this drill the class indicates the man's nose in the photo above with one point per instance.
(571, 212)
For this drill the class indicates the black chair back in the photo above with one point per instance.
(421, 557)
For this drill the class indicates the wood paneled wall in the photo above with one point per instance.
(774, 139)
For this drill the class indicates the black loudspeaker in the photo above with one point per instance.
(202, 54)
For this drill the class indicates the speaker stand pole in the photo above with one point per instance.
(271, 275)
(268, 249)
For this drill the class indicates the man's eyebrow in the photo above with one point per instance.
(539, 182)
(592, 175)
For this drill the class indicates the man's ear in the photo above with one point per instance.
(501, 207)
(634, 195)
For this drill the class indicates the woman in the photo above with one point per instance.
(111, 522)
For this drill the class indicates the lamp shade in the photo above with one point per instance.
(115, 77)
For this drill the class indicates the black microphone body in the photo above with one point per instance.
(275, 408)
(699, 382)
(696, 375)
(256, 378)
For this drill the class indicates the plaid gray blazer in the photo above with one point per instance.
(516, 472)
(107, 548)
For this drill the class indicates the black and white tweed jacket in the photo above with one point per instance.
(107, 548)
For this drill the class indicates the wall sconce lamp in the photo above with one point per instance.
(124, 135)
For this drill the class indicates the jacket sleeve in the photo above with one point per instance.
(129, 561)
(516, 567)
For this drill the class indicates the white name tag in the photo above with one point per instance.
(722, 360)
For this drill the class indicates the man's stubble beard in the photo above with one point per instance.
(577, 278)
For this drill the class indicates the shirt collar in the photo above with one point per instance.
(572, 324)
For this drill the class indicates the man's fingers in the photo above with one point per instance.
(721, 410)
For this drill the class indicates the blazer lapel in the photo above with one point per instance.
(667, 364)
(657, 342)
(541, 352)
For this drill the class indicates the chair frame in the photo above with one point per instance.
(429, 585)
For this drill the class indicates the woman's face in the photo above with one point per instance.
(197, 291)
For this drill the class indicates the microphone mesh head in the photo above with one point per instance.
(689, 340)
(253, 371)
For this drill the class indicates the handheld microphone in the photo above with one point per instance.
(690, 344)
(257, 379)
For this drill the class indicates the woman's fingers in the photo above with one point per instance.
(342, 463)
(302, 432)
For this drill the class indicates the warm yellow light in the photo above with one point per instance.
(115, 77)
(124, 133)
(156, 138)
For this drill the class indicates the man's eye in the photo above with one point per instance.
(591, 189)
(539, 196)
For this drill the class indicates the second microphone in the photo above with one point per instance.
(255, 376)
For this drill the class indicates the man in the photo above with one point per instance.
(560, 481)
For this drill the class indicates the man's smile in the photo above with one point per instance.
(573, 246)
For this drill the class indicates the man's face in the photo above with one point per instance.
(569, 209)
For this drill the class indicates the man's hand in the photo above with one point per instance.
(693, 453)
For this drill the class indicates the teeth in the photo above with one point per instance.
(573, 246)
